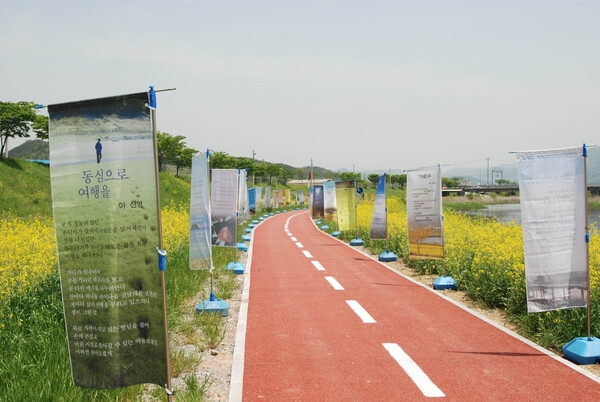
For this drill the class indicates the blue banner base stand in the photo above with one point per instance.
(444, 282)
(584, 350)
(241, 246)
(356, 242)
(336, 233)
(213, 305)
(387, 256)
(245, 237)
(236, 267)
(324, 227)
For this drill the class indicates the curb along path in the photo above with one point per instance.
(322, 321)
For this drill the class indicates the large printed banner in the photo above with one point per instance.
(267, 198)
(200, 220)
(553, 214)
(329, 202)
(243, 207)
(258, 200)
(424, 214)
(379, 220)
(224, 203)
(105, 208)
(252, 200)
(317, 202)
(345, 196)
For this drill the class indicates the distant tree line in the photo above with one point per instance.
(21, 120)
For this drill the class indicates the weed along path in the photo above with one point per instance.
(326, 322)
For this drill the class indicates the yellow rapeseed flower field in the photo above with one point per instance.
(175, 227)
(485, 256)
(29, 248)
(28, 253)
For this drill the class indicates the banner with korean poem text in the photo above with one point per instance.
(552, 192)
(224, 203)
(345, 194)
(318, 202)
(329, 202)
(424, 214)
(200, 219)
(268, 198)
(259, 201)
(379, 219)
(252, 200)
(243, 207)
(105, 208)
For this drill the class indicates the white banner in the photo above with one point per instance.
(424, 214)
(243, 208)
(224, 202)
(200, 223)
(553, 214)
(329, 202)
(267, 198)
(258, 195)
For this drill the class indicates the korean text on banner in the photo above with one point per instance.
(106, 217)
(224, 203)
(345, 196)
(318, 202)
(379, 220)
(424, 214)
(329, 202)
(553, 214)
(200, 220)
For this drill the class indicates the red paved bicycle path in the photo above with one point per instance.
(304, 343)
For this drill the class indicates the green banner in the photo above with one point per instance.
(106, 218)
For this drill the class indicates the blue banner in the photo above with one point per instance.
(379, 220)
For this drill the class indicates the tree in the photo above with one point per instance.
(184, 159)
(350, 176)
(374, 178)
(17, 120)
(273, 170)
(169, 147)
(451, 182)
(222, 160)
(399, 179)
(40, 127)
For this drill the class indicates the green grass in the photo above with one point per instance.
(24, 188)
(34, 356)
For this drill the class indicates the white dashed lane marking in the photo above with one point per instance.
(427, 387)
(361, 312)
(336, 285)
(318, 265)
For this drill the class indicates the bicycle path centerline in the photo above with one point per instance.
(301, 341)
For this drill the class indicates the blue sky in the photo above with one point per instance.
(360, 85)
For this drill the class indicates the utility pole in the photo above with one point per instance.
(253, 167)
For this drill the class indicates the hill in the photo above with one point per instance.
(33, 149)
